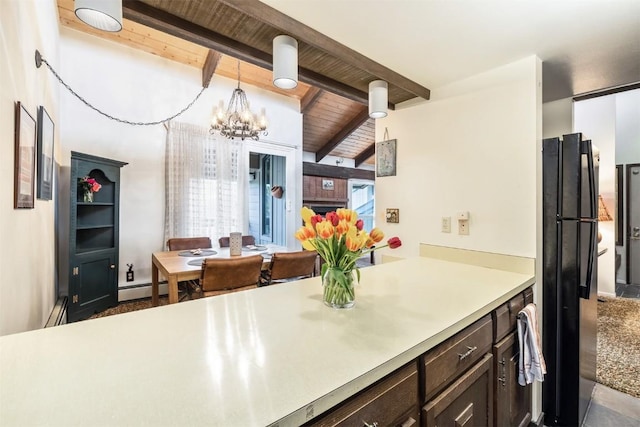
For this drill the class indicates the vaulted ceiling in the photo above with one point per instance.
(210, 35)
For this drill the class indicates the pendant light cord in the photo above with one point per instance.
(40, 59)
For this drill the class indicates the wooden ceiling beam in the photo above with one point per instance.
(274, 18)
(354, 124)
(316, 169)
(310, 98)
(209, 67)
(365, 154)
(162, 21)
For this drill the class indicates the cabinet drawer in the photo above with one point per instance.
(501, 322)
(528, 296)
(467, 402)
(515, 305)
(450, 359)
(392, 401)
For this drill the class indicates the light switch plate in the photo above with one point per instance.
(393, 215)
(446, 224)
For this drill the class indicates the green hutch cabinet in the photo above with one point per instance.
(93, 237)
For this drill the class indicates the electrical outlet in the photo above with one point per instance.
(446, 224)
(463, 227)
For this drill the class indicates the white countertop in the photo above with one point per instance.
(252, 358)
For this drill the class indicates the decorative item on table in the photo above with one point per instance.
(235, 244)
(89, 186)
(339, 238)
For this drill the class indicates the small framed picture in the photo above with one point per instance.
(25, 158)
(45, 154)
(386, 158)
(327, 184)
(393, 215)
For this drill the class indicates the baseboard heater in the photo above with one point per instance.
(142, 290)
(58, 315)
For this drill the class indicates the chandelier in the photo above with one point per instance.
(237, 121)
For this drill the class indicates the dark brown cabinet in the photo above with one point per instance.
(458, 378)
(392, 401)
(466, 402)
(470, 379)
(512, 403)
(93, 237)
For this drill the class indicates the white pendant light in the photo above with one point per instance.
(285, 62)
(378, 99)
(105, 15)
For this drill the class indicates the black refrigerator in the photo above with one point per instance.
(570, 226)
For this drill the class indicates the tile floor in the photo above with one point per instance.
(627, 290)
(611, 408)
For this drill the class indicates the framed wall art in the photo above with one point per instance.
(45, 154)
(386, 158)
(25, 158)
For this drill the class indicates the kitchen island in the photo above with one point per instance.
(269, 356)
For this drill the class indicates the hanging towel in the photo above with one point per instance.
(531, 364)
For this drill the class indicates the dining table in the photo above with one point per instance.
(184, 265)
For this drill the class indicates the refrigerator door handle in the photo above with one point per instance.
(593, 197)
(585, 290)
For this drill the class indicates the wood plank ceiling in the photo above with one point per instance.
(213, 35)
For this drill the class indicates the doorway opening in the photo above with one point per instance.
(362, 200)
(267, 214)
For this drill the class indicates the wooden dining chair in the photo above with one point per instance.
(246, 241)
(224, 275)
(287, 266)
(185, 243)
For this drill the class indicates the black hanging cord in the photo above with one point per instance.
(40, 60)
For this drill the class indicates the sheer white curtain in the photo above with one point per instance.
(205, 177)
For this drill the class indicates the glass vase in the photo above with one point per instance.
(88, 196)
(338, 290)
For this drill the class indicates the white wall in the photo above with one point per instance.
(471, 148)
(27, 263)
(138, 86)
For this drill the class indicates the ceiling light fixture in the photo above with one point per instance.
(285, 62)
(378, 99)
(105, 15)
(237, 121)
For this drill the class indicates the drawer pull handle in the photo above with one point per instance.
(503, 377)
(408, 423)
(470, 350)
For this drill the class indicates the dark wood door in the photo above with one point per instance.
(93, 283)
(467, 402)
(512, 403)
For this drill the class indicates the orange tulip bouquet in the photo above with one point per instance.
(339, 238)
